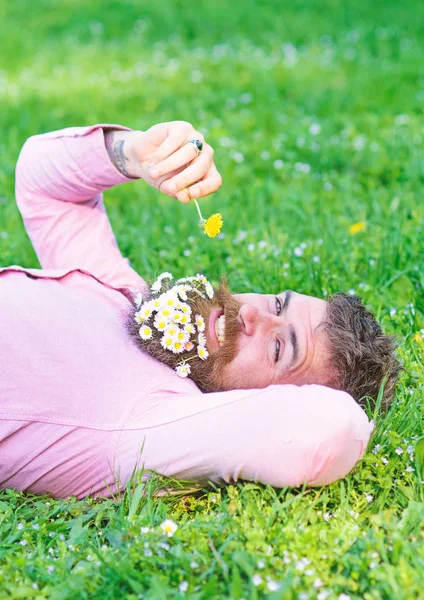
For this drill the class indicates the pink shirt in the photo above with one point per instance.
(81, 406)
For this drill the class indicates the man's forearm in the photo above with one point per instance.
(119, 148)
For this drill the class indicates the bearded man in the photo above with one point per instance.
(102, 374)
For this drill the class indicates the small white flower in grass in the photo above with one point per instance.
(318, 583)
(145, 530)
(272, 585)
(164, 546)
(278, 164)
(257, 579)
(298, 251)
(261, 564)
(183, 370)
(323, 595)
(148, 552)
(409, 469)
(145, 332)
(315, 129)
(23, 542)
(399, 451)
(169, 527)
(183, 587)
(368, 497)
(194, 565)
(200, 323)
(20, 526)
(344, 597)
(50, 569)
(36, 526)
(202, 352)
(384, 460)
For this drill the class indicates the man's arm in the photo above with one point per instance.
(61, 175)
(284, 435)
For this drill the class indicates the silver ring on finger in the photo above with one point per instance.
(197, 145)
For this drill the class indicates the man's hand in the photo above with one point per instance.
(162, 157)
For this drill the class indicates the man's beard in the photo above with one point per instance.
(207, 374)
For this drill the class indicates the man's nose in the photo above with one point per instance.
(253, 318)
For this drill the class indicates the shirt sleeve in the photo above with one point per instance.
(60, 177)
(285, 436)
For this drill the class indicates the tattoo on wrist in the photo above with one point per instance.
(115, 149)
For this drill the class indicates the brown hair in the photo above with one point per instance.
(361, 354)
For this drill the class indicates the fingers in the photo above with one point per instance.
(184, 155)
(195, 171)
(210, 184)
(178, 133)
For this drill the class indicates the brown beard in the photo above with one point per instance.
(205, 373)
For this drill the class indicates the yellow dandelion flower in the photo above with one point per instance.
(211, 226)
(357, 227)
(418, 337)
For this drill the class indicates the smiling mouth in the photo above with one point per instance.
(220, 329)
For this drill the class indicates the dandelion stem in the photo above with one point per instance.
(202, 220)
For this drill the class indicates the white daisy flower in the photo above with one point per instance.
(200, 322)
(167, 342)
(172, 331)
(202, 352)
(144, 313)
(184, 307)
(201, 339)
(138, 299)
(188, 346)
(201, 278)
(209, 290)
(177, 316)
(169, 527)
(161, 323)
(183, 370)
(169, 300)
(190, 328)
(184, 319)
(177, 347)
(182, 336)
(145, 332)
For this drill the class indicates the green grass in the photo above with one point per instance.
(336, 86)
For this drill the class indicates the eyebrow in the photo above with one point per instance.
(293, 336)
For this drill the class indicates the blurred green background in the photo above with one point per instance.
(315, 111)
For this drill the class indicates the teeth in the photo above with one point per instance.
(220, 329)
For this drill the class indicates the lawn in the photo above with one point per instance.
(315, 110)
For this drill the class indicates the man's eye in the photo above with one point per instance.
(278, 306)
(277, 350)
